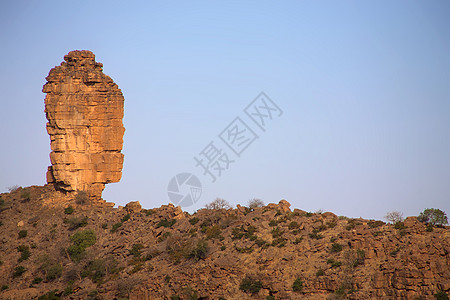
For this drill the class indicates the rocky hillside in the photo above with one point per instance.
(58, 246)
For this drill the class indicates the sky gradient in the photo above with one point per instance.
(364, 88)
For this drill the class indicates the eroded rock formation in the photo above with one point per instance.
(84, 109)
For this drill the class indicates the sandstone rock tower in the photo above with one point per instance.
(84, 109)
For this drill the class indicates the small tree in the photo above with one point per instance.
(81, 197)
(297, 286)
(13, 188)
(250, 285)
(434, 216)
(255, 202)
(219, 203)
(394, 217)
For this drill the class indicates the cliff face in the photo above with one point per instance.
(84, 109)
(270, 252)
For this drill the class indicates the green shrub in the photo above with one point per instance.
(223, 247)
(151, 254)
(24, 252)
(50, 267)
(335, 248)
(377, 233)
(293, 225)
(279, 242)
(116, 227)
(322, 227)
(298, 240)
(296, 231)
(69, 210)
(4, 287)
(354, 258)
(36, 280)
(433, 216)
(96, 270)
(250, 233)
(164, 236)
(2, 202)
(273, 223)
(104, 226)
(190, 293)
(85, 238)
(148, 212)
(297, 286)
(75, 223)
(399, 225)
(429, 227)
(270, 297)
(320, 272)
(375, 224)
(200, 250)
(277, 232)
(262, 243)
(23, 234)
(351, 224)
(179, 248)
(167, 278)
(126, 218)
(334, 263)
(52, 295)
(54, 271)
(194, 220)
(214, 232)
(18, 271)
(393, 253)
(26, 196)
(360, 257)
(237, 233)
(315, 235)
(244, 249)
(166, 223)
(69, 288)
(136, 250)
(80, 241)
(250, 285)
(331, 224)
(441, 295)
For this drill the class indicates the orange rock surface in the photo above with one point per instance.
(84, 109)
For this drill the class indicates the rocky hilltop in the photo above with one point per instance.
(72, 249)
(84, 109)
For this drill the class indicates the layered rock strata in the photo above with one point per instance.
(84, 109)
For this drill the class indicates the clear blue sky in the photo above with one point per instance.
(364, 87)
